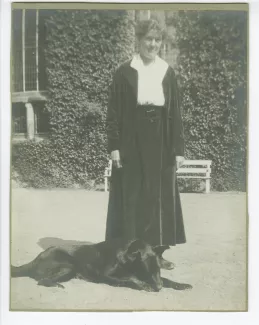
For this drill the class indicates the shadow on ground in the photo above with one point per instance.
(47, 242)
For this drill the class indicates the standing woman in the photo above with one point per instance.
(145, 140)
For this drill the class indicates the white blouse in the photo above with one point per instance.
(150, 77)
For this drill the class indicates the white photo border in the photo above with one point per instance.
(32, 318)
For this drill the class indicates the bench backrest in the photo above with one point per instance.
(189, 167)
(195, 167)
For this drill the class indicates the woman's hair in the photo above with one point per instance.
(143, 27)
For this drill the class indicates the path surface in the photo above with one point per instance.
(213, 260)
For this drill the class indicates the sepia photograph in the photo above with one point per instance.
(129, 147)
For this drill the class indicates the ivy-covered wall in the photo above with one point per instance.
(83, 48)
(212, 70)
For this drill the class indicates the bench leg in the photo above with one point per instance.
(207, 186)
(105, 184)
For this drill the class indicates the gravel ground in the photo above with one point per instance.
(213, 260)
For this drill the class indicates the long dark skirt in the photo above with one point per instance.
(144, 199)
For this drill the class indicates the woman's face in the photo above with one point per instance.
(149, 45)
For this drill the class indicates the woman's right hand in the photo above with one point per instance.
(116, 160)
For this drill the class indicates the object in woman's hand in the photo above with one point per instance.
(115, 156)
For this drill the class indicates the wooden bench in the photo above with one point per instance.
(199, 169)
(192, 169)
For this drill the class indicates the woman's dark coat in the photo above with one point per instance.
(121, 136)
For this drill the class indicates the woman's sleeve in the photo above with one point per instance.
(178, 130)
(113, 112)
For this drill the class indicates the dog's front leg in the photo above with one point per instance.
(175, 285)
(131, 282)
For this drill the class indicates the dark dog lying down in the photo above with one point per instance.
(132, 264)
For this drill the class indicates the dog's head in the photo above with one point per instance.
(146, 261)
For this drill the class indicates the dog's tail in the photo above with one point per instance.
(21, 271)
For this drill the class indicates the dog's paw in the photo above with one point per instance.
(50, 283)
(147, 287)
(176, 285)
(188, 287)
(183, 286)
(60, 286)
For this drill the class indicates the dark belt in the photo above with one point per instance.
(149, 111)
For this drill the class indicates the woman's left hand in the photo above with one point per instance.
(179, 161)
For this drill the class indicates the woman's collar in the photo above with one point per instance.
(137, 63)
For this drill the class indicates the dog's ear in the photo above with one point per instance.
(159, 250)
(134, 246)
(133, 250)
